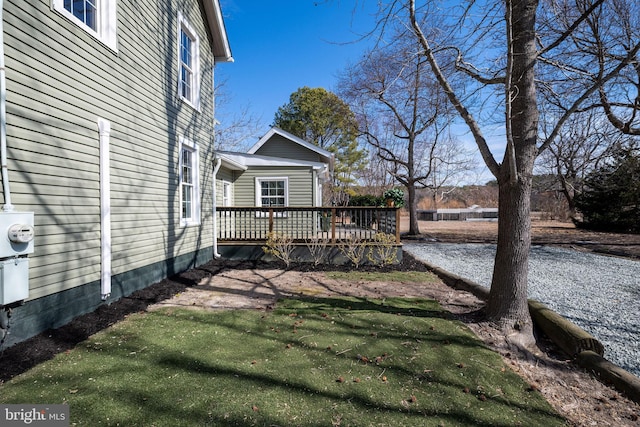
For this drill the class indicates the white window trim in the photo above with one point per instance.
(183, 25)
(107, 21)
(195, 205)
(258, 192)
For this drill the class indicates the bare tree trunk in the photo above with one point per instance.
(413, 211)
(508, 304)
(508, 298)
(569, 193)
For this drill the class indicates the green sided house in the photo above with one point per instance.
(279, 160)
(108, 161)
(281, 172)
(277, 187)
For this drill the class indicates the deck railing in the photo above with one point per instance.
(334, 224)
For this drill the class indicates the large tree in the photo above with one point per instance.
(403, 115)
(322, 118)
(494, 61)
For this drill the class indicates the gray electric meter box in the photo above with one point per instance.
(14, 280)
(16, 242)
(16, 234)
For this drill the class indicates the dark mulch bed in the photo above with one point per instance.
(27, 354)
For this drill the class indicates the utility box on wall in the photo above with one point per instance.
(16, 242)
(14, 280)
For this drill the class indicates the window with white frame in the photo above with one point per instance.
(189, 63)
(189, 187)
(96, 17)
(272, 191)
(226, 193)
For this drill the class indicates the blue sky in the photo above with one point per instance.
(282, 45)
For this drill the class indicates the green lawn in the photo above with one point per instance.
(322, 362)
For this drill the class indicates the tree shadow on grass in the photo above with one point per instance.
(403, 324)
(44, 346)
(358, 402)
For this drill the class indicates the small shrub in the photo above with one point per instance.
(395, 194)
(317, 249)
(281, 246)
(383, 251)
(365, 200)
(353, 248)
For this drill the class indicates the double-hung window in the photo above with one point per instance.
(189, 188)
(189, 63)
(272, 192)
(96, 17)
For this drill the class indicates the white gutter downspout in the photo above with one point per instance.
(8, 207)
(104, 128)
(217, 161)
(216, 168)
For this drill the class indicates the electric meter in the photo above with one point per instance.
(21, 233)
(16, 234)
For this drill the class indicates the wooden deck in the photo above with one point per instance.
(237, 225)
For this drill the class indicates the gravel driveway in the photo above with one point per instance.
(600, 294)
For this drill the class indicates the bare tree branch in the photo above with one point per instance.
(472, 72)
(485, 152)
(596, 86)
(571, 29)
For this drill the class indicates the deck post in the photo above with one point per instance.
(270, 221)
(397, 226)
(333, 225)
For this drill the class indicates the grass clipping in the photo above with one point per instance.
(340, 362)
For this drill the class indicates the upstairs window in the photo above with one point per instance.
(85, 10)
(189, 64)
(186, 66)
(96, 17)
